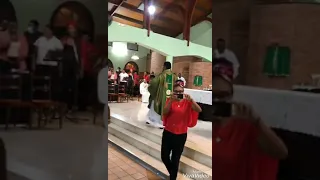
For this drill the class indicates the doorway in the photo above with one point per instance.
(72, 12)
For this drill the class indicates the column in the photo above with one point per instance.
(169, 59)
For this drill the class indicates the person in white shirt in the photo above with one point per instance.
(182, 79)
(103, 94)
(223, 52)
(47, 48)
(144, 91)
(123, 75)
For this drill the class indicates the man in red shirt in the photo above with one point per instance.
(243, 147)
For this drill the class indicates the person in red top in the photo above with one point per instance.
(179, 113)
(146, 76)
(243, 147)
(86, 81)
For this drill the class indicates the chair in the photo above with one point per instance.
(122, 92)
(11, 95)
(112, 93)
(42, 100)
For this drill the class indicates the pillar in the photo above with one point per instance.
(170, 59)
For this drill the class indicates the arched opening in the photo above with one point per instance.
(72, 11)
(131, 66)
(110, 64)
(7, 11)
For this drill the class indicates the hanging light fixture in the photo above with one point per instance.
(135, 57)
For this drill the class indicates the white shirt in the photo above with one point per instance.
(184, 80)
(230, 56)
(45, 45)
(103, 85)
(123, 75)
(143, 88)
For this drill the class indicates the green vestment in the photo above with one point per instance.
(161, 88)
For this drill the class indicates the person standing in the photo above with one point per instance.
(180, 113)
(144, 91)
(160, 89)
(71, 71)
(46, 48)
(86, 83)
(243, 146)
(4, 45)
(123, 76)
(182, 79)
(223, 52)
(103, 94)
(32, 34)
(18, 49)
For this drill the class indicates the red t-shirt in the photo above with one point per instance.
(236, 155)
(180, 117)
(136, 79)
(87, 50)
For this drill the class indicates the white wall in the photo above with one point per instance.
(121, 61)
(42, 10)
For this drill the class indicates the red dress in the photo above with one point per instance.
(147, 78)
(236, 155)
(180, 117)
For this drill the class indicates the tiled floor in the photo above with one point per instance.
(121, 167)
(136, 113)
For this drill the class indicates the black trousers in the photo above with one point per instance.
(87, 88)
(174, 144)
(70, 87)
(5, 66)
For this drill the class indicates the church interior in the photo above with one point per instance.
(92, 138)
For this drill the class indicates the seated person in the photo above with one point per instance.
(144, 91)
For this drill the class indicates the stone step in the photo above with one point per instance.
(191, 150)
(188, 166)
(154, 163)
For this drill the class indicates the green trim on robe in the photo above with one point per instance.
(160, 88)
(277, 61)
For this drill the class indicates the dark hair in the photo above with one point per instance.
(167, 65)
(221, 40)
(152, 76)
(35, 22)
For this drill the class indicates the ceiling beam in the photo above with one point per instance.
(163, 4)
(115, 8)
(153, 27)
(136, 10)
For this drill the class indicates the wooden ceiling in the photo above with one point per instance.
(169, 18)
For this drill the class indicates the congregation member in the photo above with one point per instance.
(86, 82)
(103, 93)
(243, 146)
(180, 113)
(146, 76)
(4, 45)
(136, 80)
(222, 52)
(18, 49)
(160, 89)
(118, 71)
(182, 79)
(113, 76)
(32, 34)
(123, 76)
(71, 71)
(144, 91)
(47, 48)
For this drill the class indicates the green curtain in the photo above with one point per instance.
(197, 81)
(277, 61)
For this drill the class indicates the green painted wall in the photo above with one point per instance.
(121, 61)
(201, 33)
(165, 45)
